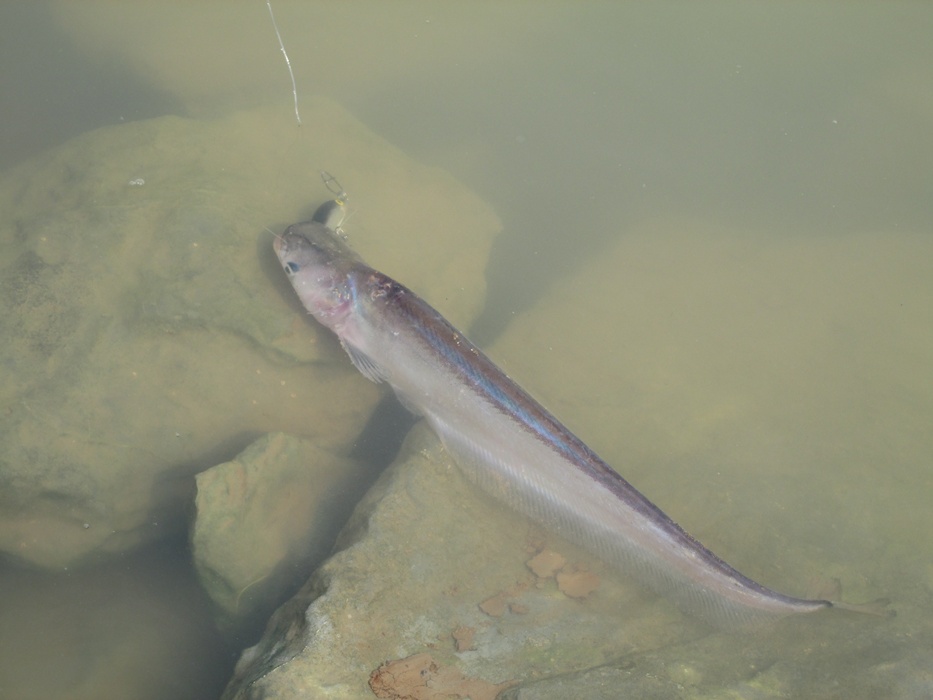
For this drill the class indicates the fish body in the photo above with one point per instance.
(505, 441)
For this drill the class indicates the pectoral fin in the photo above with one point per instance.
(365, 364)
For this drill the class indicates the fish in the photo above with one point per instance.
(505, 441)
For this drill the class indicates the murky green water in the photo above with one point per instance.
(763, 172)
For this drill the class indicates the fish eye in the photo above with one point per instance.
(291, 267)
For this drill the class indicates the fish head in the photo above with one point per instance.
(320, 266)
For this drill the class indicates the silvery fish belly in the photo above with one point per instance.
(505, 441)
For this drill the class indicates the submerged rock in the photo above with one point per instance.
(428, 565)
(265, 520)
(148, 331)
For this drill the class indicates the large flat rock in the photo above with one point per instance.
(148, 330)
(429, 565)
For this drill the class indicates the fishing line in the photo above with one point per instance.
(288, 63)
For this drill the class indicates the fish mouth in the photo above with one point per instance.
(290, 242)
(280, 244)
